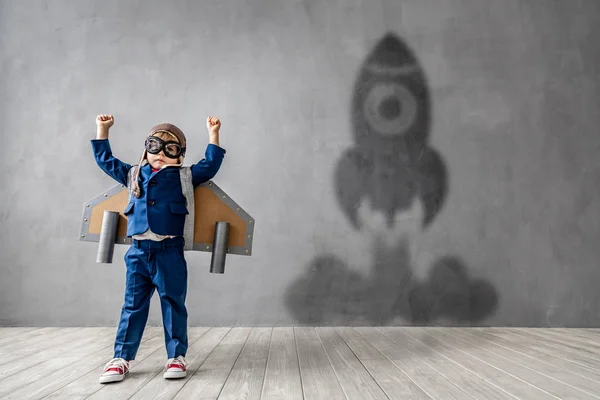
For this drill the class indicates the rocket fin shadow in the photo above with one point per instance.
(351, 183)
(433, 183)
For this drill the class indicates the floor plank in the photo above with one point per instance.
(88, 384)
(38, 343)
(248, 373)
(507, 381)
(548, 348)
(523, 373)
(49, 362)
(69, 367)
(208, 381)
(590, 348)
(548, 365)
(310, 363)
(550, 357)
(354, 378)
(6, 332)
(14, 340)
(559, 385)
(319, 381)
(397, 381)
(411, 352)
(282, 377)
(164, 389)
(568, 336)
(578, 333)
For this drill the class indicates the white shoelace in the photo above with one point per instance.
(118, 363)
(179, 361)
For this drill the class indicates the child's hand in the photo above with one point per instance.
(213, 124)
(105, 121)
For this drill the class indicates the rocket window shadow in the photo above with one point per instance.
(391, 166)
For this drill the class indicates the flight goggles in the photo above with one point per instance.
(170, 148)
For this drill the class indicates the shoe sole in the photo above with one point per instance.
(175, 374)
(111, 378)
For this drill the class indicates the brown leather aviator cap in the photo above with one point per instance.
(166, 127)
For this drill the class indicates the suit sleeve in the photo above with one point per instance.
(208, 167)
(111, 165)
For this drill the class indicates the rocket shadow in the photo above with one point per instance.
(391, 165)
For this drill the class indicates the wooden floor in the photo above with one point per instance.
(310, 363)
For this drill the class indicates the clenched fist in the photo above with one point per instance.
(105, 120)
(213, 124)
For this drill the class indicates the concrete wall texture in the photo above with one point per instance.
(407, 162)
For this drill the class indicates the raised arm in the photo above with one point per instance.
(208, 167)
(111, 165)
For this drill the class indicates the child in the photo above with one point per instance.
(155, 220)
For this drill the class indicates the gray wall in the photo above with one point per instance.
(489, 191)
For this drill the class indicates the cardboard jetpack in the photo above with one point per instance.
(216, 224)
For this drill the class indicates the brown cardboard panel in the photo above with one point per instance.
(117, 203)
(209, 209)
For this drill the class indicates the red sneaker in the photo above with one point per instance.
(176, 368)
(115, 370)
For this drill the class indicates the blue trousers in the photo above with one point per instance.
(161, 266)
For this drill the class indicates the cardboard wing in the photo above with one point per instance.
(211, 205)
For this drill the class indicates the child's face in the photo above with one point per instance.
(158, 160)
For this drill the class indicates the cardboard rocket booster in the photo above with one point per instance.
(221, 226)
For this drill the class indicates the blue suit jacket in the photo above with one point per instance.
(161, 206)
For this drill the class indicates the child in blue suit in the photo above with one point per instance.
(155, 220)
